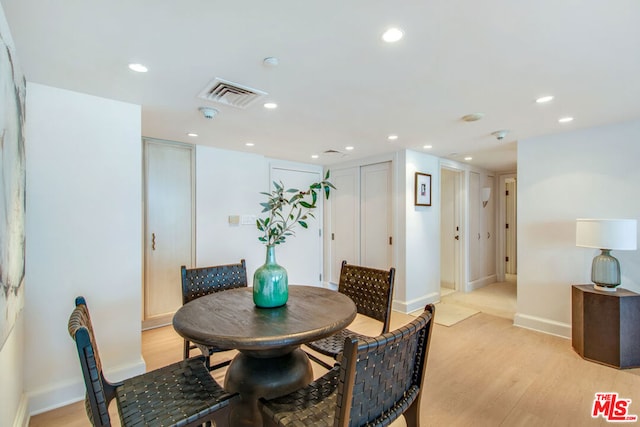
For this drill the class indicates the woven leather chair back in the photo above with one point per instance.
(197, 282)
(99, 391)
(384, 375)
(370, 289)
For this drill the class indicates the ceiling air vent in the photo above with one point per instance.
(333, 153)
(229, 93)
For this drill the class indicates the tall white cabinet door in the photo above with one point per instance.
(476, 262)
(301, 254)
(168, 227)
(345, 211)
(488, 232)
(449, 228)
(375, 182)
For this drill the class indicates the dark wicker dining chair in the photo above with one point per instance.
(201, 281)
(371, 290)
(377, 380)
(181, 394)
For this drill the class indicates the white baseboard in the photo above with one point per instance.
(22, 413)
(540, 324)
(68, 392)
(477, 284)
(416, 304)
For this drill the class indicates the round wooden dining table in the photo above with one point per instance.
(270, 362)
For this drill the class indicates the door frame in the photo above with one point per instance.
(502, 219)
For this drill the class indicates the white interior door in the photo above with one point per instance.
(449, 228)
(345, 211)
(375, 227)
(489, 238)
(168, 227)
(476, 263)
(301, 254)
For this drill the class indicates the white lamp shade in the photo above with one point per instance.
(618, 234)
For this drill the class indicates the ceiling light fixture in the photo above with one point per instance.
(473, 117)
(271, 61)
(392, 137)
(139, 68)
(249, 144)
(544, 99)
(428, 147)
(468, 158)
(314, 156)
(270, 105)
(565, 120)
(392, 35)
(192, 134)
(348, 148)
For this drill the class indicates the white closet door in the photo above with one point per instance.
(301, 254)
(345, 211)
(375, 229)
(489, 235)
(168, 225)
(475, 228)
(449, 235)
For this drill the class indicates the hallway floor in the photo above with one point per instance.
(497, 299)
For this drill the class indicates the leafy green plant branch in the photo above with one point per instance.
(287, 208)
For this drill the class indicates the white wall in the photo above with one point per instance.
(591, 173)
(228, 183)
(421, 258)
(83, 227)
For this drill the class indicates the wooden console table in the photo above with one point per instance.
(606, 326)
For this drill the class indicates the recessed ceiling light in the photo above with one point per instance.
(565, 120)
(271, 61)
(270, 105)
(544, 99)
(139, 68)
(468, 158)
(428, 147)
(348, 148)
(249, 144)
(314, 156)
(473, 117)
(192, 134)
(392, 137)
(392, 35)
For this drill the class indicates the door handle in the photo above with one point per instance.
(488, 235)
(153, 241)
(456, 237)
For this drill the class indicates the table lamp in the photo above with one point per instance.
(606, 235)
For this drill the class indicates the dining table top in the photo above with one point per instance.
(230, 319)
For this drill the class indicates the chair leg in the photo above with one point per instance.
(319, 361)
(185, 354)
(412, 414)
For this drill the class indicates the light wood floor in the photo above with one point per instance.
(482, 371)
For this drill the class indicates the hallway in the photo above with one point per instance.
(497, 299)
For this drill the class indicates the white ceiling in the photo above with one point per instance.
(337, 83)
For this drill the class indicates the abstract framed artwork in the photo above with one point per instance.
(423, 189)
(12, 187)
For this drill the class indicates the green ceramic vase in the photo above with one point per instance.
(270, 282)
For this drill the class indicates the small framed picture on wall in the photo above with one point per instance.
(423, 189)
